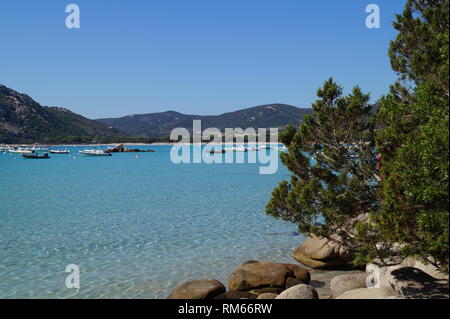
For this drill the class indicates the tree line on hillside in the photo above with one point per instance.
(379, 184)
(82, 139)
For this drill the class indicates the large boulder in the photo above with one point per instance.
(299, 273)
(412, 282)
(346, 282)
(368, 293)
(299, 292)
(321, 253)
(198, 289)
(255, 274)
(427, 268)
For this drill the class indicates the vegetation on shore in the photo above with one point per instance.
(381, 193)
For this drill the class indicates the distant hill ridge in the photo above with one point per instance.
(23, 120)
(161, 124)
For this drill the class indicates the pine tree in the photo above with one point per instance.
(332, 158)
(413, 141)
(419, 52)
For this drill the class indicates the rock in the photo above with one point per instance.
(299, 292)
(267, 295)
(414, 283)
(121, 149)
(299, 273)
(429, 269)
(368, 293)
(198, 289)
(290, 282)
(320, 253)
(118, 149)
(255, 274)
(236, 295)
(346, 282)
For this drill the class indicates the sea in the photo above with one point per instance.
(135, 225)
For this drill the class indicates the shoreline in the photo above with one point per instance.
(136, 144)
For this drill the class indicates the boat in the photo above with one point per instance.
(21, 150)
(35, 156)
(94, 153)
(222, 151)
(36, 148)
(240, 149)
(262, 147)
(59, 151)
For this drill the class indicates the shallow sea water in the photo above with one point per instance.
(136, 227)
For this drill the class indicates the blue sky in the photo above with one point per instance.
(191, 56)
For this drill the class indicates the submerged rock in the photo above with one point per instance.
(198, 289)
(255, 274)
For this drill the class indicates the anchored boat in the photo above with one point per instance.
(21, 150)
(35, 156)
(60, 151)
(94, 153)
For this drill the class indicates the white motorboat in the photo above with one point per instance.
(36, 148)
(21, 150)
(240, 149)
(94, 153)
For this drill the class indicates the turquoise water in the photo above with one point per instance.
(136, 227)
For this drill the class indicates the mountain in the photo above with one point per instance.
(161, 124)
(23, 120)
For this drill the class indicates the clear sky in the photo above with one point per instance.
(191, 56)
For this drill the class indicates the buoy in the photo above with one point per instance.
(137, 156)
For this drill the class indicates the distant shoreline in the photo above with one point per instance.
(157, 144)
